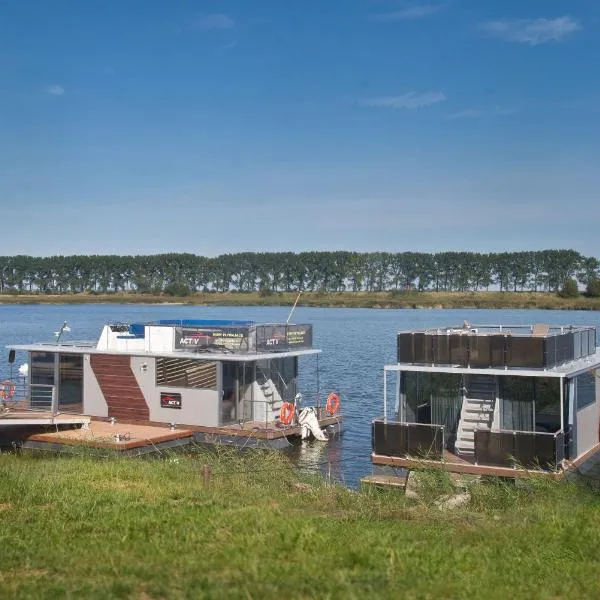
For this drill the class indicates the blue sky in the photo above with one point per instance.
(146, 126)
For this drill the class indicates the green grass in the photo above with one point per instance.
(84, 527)
(330, 299)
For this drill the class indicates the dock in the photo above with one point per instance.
(134, 438)
(19, 417)
(121, 438)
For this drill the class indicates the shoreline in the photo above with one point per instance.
(382, 300)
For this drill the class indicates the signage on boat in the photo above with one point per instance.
(257, 338)
(170, 400)
(211, 338)
(274, 338)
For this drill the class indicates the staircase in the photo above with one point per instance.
(119, 387)
(267, 407)
(477, 411)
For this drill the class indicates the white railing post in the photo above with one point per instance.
(54, 401)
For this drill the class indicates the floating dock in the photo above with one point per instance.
(136, 438)
(122, 438)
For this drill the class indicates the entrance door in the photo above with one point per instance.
(70, 385)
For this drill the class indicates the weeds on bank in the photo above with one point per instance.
(83, 526)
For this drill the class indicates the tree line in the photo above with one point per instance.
(545, 270)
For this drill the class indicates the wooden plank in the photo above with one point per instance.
(385, 481)
(462, 467)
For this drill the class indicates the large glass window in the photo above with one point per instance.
(70, 388)
(41, 380)
(42, 368)
(282, 372)
(433, 398)
(530, 403)
(585, 389)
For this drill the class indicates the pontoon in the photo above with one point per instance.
(501, 400)
(219, 381)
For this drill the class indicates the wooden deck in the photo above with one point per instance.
(265, 431)
(457, 464)
(120, 437)
(136, 438)
(13, 417)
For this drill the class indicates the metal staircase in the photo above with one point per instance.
(477, 411)
(268, 406)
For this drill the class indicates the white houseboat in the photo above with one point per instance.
(205, 380)
(500, 400)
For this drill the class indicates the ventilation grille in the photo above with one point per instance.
(186, 373)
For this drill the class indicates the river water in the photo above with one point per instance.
(356, 344)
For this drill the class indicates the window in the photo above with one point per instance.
(585, 389)
(187, 373)
(42, 368)
(70, 389)
(432, 398)
(530, 404)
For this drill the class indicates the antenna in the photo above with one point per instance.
(64, 327)
(293, 307)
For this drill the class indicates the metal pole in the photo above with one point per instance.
(54, 406)
(318, 389)
(562, 412)
(384, 396)
(56, 386)
(401, 411)
(293, 307)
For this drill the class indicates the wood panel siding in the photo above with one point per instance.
(119, 387)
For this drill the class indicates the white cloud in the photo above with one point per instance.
(56, 90)
(477, 113)
(412, 12)
(410, 101)
(213, 21)
(531, 31)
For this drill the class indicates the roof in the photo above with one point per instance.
(532, 330)
(90, 348)
(568, 369)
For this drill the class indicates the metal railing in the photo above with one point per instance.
(43, 397)
(392, 438)
(20, 395)
(526, 449)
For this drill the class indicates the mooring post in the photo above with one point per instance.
(206, 476)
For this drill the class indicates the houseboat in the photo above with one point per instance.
(174, 381)
(496, 400)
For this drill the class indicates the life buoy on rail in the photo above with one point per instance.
(333, 403)
(286, 414)
(7, 389)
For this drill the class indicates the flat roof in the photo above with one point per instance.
(224, 356)
(569, 369)
(542, 330)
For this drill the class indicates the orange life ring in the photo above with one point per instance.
(7, 389)
(286, 414)
(333, 403)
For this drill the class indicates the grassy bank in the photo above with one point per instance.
(331, 299)
(130, 528)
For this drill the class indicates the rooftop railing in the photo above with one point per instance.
(494, 347)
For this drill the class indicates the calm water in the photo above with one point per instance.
(356, 343)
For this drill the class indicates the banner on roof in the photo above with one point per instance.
(211, 338)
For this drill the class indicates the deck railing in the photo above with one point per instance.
(527, 449)
(391, 438)
(35, 397)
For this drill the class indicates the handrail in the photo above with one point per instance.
(389, 422)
